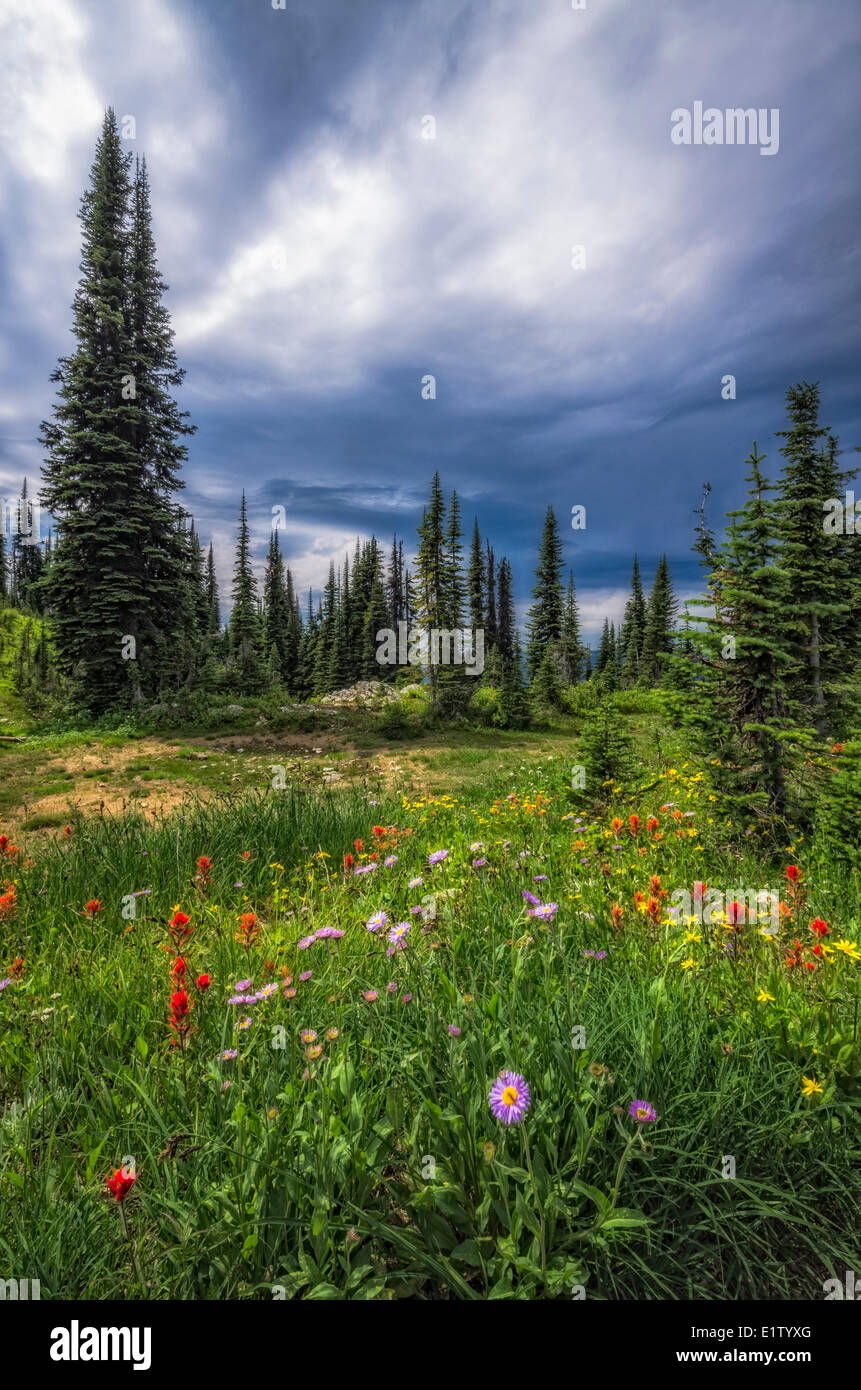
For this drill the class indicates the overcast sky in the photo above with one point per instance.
(324, 255)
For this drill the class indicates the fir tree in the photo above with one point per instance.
(476, 580)
(276, 610)
(736, 657)
(491, 617)
(812, 557)
(376, 618)
(213, 609)
(659, 625)
(506, 620)
(112, 451)
(570, 647)
(245, 627)
(513, 700)
(633, 628)
(27, 554)
(544, 623)
(605, 748)
(4, 582)
(325, 635)
(431, 572)
(454, 565)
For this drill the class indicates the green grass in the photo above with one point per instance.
(371, 1177)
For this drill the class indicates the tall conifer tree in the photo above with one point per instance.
(544, 623)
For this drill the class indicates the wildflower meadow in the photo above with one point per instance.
(326, 1046)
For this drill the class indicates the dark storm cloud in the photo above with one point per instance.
(323, 257)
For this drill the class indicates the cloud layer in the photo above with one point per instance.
(325, 255)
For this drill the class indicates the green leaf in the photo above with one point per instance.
(468, 1251)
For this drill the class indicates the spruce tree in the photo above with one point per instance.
(395, 584)
(245, 626)
(491, 616)
(454, 565)
(506, 620)
(27, 554)
(212, 604)
(475, 582)
(92, 479)
(113, 451)
(513, 699)
(813, 557)
(737, 656)
(606, 749)
(375, 619)
(431, 572)
(276, 611)
(633, 628)
(570, 646)
(544, 623)
(325, 635)
(659, 625)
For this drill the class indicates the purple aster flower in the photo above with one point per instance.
(391, 987)
(239, 885)
(454, 1030)
(543, 910)
(326, 933)
(306, 974)
(530, 897)
(378, 920)
(7, 981)
(142, 893)
(370, 996)
(479, 863)
(642, 1111)
(392, 859)
(365, 868)
(539, 878)
(228, 1054)
(477, 844)
(509, 1097)
(265, 992)
(600, 955)
(399, 932)
(306, 942)
(438, 856)
(415, 883)
(241, 985)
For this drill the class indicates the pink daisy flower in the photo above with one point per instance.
(509, 1097)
